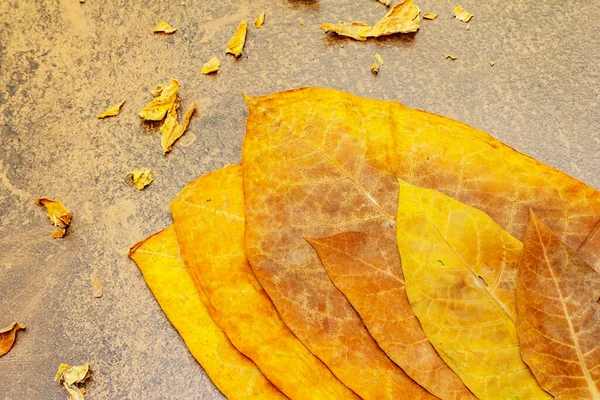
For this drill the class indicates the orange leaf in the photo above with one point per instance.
(8, 336)
(558, 315)
(365, 266)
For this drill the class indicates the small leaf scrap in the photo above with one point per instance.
(211, 66)
(171, 129)
(236, 44)
(430, 16)
(163, 27)
(402, 18)
(559, 317)
(58, 214)
(462, 15)
(165, 98)
(385, 2)
(112, 111)
(8, 336)
(354, 30)
(157, 90)
(71, 378)
(260, 20)
(140, 178)
(374, 69)
(451, 57)
(96, 285)
(379, 59)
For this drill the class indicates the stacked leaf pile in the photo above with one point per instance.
(364, 249)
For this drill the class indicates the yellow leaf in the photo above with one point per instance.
(160, 261)
(379, 59)
(236, 44)
(162, 102)
(163, 27)
(58, 214)
(209, 220)
(451, 57)
(8, 336)
(354, 30)
(260, 20)
(71, 378)
(461, 14)
(140, 178)
(559, 315)
(112, 111)
(430, 16)
(402, 18)
(212, 65)
(365, 266)
(460, 272)
(171, 130)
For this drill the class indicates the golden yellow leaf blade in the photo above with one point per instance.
(354, 30)
(236, 44)
(209, 220)
(163, 101)
(112, 111)
(260, 20)
(366, 267)
(57, 213)
(171, 130)
(460, 272)
(559, 317)
(211, 66)
(430, 16)
(402, 18)
(140, 178)
(461, 14)
(8, 336)
(164, 27)
(71, 378)
(237, 377)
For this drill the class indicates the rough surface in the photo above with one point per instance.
(62, 63)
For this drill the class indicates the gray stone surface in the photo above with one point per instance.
(62, 63)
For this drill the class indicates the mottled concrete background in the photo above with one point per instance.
(62, 63)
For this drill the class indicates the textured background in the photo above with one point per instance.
(62, 63)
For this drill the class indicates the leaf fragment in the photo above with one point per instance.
(260, 20)
(211, 66)
(385, 2)
(112, 111)
(236, 44)
(379, 59)
(558, 315)
(72, 378)
(430, 16)
(57, 213)
(492, 63)
(354, 30)
(96, 285)
(461, 14)
(236, 376)
(171, 129)
(366, 267)
(374, 69)
(8, 336)
(165, 98)
(460, 271)
(157, 90)
(163, 27)
(451, 57)
(140, 178)
(402, 18)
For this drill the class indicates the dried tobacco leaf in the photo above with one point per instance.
(160, 261)
(354, 30)
(209, 220)
(365, 266)
(140, 178)
(171, 130)
(460, 271)
(8, 336)
(162, 102)
(559, 317)
(71, 378)
(461, 14)
(236, 44)
(112, 111)
(590, 248)
(260, 20)
(430, 16)
(402, 18)
(163, 27)
(58, 214)
(211, 66)
(96, 285)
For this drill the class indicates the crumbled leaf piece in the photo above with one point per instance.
(162, 103)
(430, 16)
(462, 15)
(558, 315)
(157, 90)
(113, 111)
(378, 58)
(96, 285)
(301, 21)
(460, 272)
(159, 259)
(140, 178)
(492, 63)
(402, 18)
(163, 27)
(211, 66)
(71, 378)
(171, 130)
(8, 336)
(366, 267)
(385, 2)
(58, 214)
(468, 27)
(374, 68)
(236, 44)
(354, 30)
(260, 20)
(451, 57)
(82, 1)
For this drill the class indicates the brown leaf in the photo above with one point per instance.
(236, 44)
(171, 129)
(354, 30)
(8, 336)
(365, 266)
(558, 315)
(58, 214)
(165, 96)
(209, 220)
(402, 18)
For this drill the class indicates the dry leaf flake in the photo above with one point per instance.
(385, 2)
(374, 68)
(163, 27)
(378, 58)
(211, 66)
(354, 30)
(430, 16)
(71, 378)
(171, 129)
(236, 44)
(451, 57)
(96, 286)
(165, 97)
(402, 18)
(140, 178)
(112, 111)
(58, 214)
(260, 20)
(8, 336)
(462, 15)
